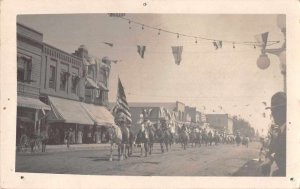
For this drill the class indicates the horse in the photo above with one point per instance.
(143, 138)
(151, 135)
(115, 137)
(210, 138)
(193, 138)
(238, 140)
(204, 138)
(163, 137)
(216, 139)
(245, 141)
(129, 146)
(183, 138)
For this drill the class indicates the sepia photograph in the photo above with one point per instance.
(150, 95)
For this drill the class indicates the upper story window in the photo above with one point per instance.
(75, 81)
(24, 68)
(52, 78)
(64, 76)
(91, 72)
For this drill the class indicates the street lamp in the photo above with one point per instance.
(263, 60)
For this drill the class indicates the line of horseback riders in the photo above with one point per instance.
(149, 133)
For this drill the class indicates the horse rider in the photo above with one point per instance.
(184, 128)
(277, 147)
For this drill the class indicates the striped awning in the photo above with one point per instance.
(91, 83)
(99, 114)
(33, 103)
(68, 111)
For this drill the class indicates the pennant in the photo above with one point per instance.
(141, 50)
(217, 44)
(177, 51)
(109, 44)
(264, 103)
(262, 39)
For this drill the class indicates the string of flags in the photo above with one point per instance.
(217, 43)
(261, 40)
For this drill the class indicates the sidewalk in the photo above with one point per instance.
(73, 147)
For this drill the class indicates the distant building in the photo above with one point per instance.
(221, 122)
(158, 110)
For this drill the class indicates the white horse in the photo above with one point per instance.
(115, 137)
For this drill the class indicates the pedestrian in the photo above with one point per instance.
(277, 147)
(44, 138)
(68, 137)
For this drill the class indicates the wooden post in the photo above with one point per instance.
(35, 121)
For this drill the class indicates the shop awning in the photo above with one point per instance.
(102, 86)
(91, 83)
(99, 114)
(28, 102)
(68, 111)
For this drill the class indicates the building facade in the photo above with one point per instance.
(30, 110)
(220, 122)
(60, 92)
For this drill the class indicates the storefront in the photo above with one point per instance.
(30, 115)
(102, 118)
(69, 116)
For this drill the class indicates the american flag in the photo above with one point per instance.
(121, 106)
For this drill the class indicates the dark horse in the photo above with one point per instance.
(146, 137)
(183, 138)
(163, 137)
(238, 140)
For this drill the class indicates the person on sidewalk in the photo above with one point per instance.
(68, 137)
(277, 147)
(44, 138)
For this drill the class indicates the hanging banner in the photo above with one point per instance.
(141, 50)
(177, 51)
(262, 39)
(217, 44)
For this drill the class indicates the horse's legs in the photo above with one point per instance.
(111, 151)
(146, 149)
(141, 150)
(162, 147)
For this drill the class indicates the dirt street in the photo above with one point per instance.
(221, 160)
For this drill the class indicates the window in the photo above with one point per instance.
(91, 71)
(64, 76)
(52, 77)
(75, 80)
(24, 68)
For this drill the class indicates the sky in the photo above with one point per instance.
(227, 77)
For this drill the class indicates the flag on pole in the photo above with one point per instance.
(217, 44)
(122, 105)
(109, 44)
(141, 50)
(177, 51)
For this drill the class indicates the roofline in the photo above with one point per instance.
(74, 56)
(34, 30)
